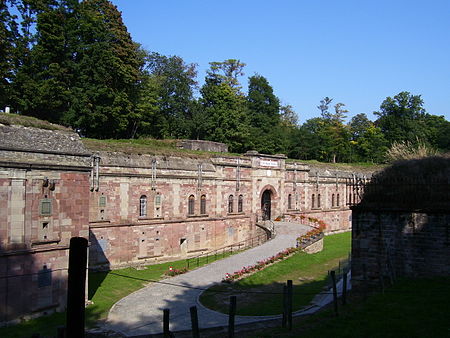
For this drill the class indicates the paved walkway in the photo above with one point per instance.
(141, 312)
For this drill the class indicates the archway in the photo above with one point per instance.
(266, 204)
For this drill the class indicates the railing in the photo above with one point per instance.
(401, 192)
(343, 268)
(229, 249)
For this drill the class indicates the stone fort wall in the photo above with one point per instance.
(135, 209)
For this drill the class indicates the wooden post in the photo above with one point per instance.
(335, 301)
(231, 315)
(76, 287)
(285, 307)
(289, 301)
(344, 288)
(166, 317)
(61, 332)
(194, 322)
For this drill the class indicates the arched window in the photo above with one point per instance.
(337, 200)
(240, 203)
(203, 205)
(191, 205)
(230, 204)
(290, 201)
(313, 201)
(143, 206)
(318, 200)
(332, 200)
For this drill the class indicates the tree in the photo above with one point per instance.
(324, 106)
(288, 116)
(9, 35)
(264, 115)
(401, 118)
(177, 82)
(227, 71)
(224, 111)
(107, 73)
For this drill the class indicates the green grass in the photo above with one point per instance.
(105, 289)
(410, 308)
(151, 146)
(309, 274)
(29, 121)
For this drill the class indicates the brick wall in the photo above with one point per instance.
(389, 243)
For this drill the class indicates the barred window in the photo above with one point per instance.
(313, 201)
(290, 201)
(143, 206)
(191, 205)
(318, 200)
(337, 200)
(240, 203)
(158, 200)
(332, 200)
(203, 204)
(45, 207)
(102, 201)
(230, 204)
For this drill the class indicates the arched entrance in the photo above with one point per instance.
(266, 204)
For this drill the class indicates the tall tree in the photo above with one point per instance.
(224, 110)
(401, 118)
(9, 35)
(227, 71)
(264, 115)
(107, 73)
(177, 81)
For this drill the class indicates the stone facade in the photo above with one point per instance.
(216, 147)
(387, 244)
(135, 209)
(43, 203)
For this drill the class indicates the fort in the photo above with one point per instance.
(137, 209)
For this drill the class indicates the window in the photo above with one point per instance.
(290, 201)
(203, 205)
(332, 200)
(102, 201)
(158, 200)
(45, 207)
(240, 203)
(230, 204)
(157, 206)
(337, 200)
(318, 200)
(191, 205)
(313, 201)
(143, 206)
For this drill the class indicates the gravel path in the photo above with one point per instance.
(141, 312)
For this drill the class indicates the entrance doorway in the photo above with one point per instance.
(266, 201)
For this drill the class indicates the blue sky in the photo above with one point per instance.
(356, 52)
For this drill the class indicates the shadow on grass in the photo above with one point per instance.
(261, 299)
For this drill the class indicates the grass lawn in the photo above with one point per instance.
(410, 308)
(309, 274)
(105, 289)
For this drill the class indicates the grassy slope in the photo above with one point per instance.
(308, 272)
(411, 308)
(105, 289)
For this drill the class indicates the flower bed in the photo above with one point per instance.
(174, 272)
(231, 277)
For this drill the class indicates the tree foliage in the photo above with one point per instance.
(73, 62)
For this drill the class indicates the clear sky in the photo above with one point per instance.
(356, 52)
